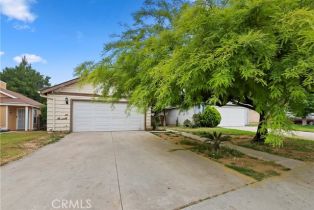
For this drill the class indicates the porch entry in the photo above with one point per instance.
(20, 119)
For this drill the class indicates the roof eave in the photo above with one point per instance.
(55, 87)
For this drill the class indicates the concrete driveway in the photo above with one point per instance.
(113, 170)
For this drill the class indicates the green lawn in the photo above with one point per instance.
(15, 145)
(306, 128)
(292, 148)
(225, 131)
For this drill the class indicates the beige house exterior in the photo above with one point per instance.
(17, 112)
(72, 106)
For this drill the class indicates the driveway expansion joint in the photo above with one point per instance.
(117, 172)
(213, 196)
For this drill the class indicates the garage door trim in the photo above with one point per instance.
(90, 100)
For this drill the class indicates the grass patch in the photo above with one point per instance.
(207, 150)
(15, 145)
(249, 166)
(247, 171)
(224, 131)
(292, 148)
(305, 128)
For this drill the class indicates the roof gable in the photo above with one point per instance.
(58, 86)
(6, 93)
(17, 98)
(72, 87)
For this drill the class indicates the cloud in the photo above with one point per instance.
(22, 27)
(17, 9)
(31, 58)
(1, 53)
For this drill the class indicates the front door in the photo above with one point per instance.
(20, 119)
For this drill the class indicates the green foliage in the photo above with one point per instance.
(207, 148)
(255, 53)
(215, 139)
(25, 80)
(305, 107)
(187, 123)
(211, 117)
(197, 120)
(43, 117)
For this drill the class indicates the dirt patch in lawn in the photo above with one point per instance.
(258, 169)
(15, 145)
(292, 148)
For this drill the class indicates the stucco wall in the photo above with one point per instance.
(230, 115)
(3, 117)
(12, 118)
(175, 114)
(253, 117)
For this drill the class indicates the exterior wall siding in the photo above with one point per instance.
(59, 113)
(78, 88)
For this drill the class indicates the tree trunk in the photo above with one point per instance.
(164, 122)
(260, 133)
(304, 121)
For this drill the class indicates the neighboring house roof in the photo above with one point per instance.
(55, 87)
(15, 98)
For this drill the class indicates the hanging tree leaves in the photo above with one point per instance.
(256, 53)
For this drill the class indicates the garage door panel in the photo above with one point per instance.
(91, 116)
(232, 116)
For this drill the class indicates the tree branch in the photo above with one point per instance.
(243, 104)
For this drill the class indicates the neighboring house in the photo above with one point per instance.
(72, 106)
(17, 112)
(231, 115)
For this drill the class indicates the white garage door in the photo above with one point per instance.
(96, 116)
(232, 116)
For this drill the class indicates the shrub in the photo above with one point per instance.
(211, 117)
(215, 140)
(43, 117)
(187, 123)
(197, 119)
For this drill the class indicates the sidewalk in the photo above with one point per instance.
(293, 190)
(286, 162)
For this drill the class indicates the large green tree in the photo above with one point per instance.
(256, 53)
(25, 80)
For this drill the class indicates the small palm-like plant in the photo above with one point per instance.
(215, 140)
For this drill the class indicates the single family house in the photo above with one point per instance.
(72, 106)
(17, 112)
